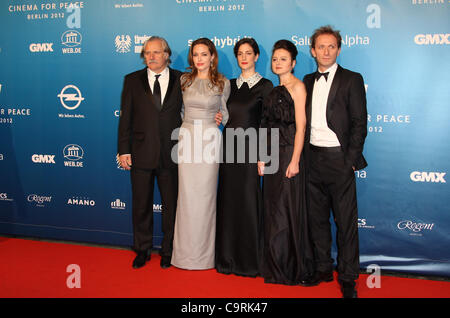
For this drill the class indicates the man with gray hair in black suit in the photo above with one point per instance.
(150, 110)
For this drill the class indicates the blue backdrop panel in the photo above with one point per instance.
(62, 66)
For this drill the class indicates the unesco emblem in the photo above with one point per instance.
(71, 38)
(73, 152)
(70, 97)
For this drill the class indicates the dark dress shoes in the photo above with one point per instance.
(141, 259)
(316, 279)
(165, 262)
(348, 290)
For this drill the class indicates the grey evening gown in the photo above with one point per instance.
(198, 166)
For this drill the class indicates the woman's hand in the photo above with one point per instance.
(261, 168)
(218, 118)
(292, 170)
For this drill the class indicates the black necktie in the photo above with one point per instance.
(318, 75)
(157, 92)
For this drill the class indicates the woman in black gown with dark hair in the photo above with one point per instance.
(288, 257)
(239, 225)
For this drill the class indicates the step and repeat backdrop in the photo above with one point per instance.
(62, 65)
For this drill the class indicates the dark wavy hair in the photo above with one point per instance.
(215, 77)
(249, 41)
(327, 29)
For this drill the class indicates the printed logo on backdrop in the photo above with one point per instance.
(41, 47)
(118, 205)
(80, 201)
(7, 115)
(432, 39)
(429, 2)
(222, 42)
(4, 197)
(363, 224)
(157, 208)
(39, 200)
(71, 41)
(433, 177)
(70, 98)
(1, 157)
(377, 123)
(43, 159)
(74, 154)
(361, 174)
(201, 7)
(51, 11)
(124, 43)
(374, 19)
(348, 40)
(128, 5)
(71, 38)
(415, 228)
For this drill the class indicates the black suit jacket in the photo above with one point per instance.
(144, 131)
(346, 113)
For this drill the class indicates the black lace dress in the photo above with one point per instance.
(287, 247)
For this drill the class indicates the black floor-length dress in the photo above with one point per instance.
(239, 227)
(287, 247)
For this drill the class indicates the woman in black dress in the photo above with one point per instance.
(287, 248)
(239, 200)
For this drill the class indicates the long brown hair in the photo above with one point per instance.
(215, 77)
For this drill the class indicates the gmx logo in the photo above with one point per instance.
(422, 176)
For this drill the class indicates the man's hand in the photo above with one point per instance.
(218, 118)
(125, 161)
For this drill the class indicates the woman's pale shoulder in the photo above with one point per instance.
(298, 86)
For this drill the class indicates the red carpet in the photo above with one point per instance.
(35, 269)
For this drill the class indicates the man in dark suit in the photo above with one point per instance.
(150, 111)
(336, 129)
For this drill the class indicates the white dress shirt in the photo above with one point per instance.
(321, 134)
(163, 81)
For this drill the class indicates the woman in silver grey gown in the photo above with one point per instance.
(205, 92)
